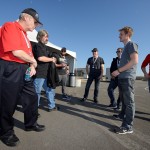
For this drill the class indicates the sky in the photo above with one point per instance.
(81, 25)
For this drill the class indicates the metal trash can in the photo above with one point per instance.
(72, 80)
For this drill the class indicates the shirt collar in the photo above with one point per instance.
(127, 43)
(19, 26)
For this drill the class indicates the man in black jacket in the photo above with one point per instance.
(114, 81)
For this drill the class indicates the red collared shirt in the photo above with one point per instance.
(13, 37)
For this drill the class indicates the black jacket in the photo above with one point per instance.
(52, 76)
(114, 65)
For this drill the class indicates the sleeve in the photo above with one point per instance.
(146, 61)
(10, 37)
(133, 48)
(112, 65)
(102, 61)
(88, 61)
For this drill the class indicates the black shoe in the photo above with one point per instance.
(123, 130)
(53, 109)
(83, 100)
(117, 109)
(95, 101)
(117, 117)
(11, 140)
(66, 97)
(37, 128)
(112, 106)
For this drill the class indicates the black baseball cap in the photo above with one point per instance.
(95, 50)
(33, 13)
(63, 49)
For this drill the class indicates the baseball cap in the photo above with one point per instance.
(33, 13)
(95, 50)
(63, 49)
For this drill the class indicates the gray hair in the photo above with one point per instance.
(40, 34)
(22, 15)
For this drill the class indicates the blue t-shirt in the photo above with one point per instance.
(129, 48)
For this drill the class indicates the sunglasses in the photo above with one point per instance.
(118, 52)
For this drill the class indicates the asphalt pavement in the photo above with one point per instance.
(85, 126)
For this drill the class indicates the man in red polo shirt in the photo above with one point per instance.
(15, 58)
(143, 67)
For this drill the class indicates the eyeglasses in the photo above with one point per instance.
(118, 52)
(35, 22)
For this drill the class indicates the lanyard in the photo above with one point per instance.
(27, 42)
(94, 60)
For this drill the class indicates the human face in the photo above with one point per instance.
(119, 52)
(44, 39)
(95, 54)
(31, 23)
(63, 53)
(124, 37)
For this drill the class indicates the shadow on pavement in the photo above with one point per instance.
(19, 124)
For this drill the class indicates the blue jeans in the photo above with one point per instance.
(112, 86)
(50, 93)
(88, 84)
(126, 87)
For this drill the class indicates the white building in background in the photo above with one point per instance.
(53, 48)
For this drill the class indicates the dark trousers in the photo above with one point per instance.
(88, 84)
(13, 88)
(63, 81)
(112, 86)
(126, 87)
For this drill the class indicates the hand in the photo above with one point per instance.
(53, 59)
(64, 65)
(67, 71)
(115, 73)
(146, 75)
(100, 77)
(112, 77)
(33, 71)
